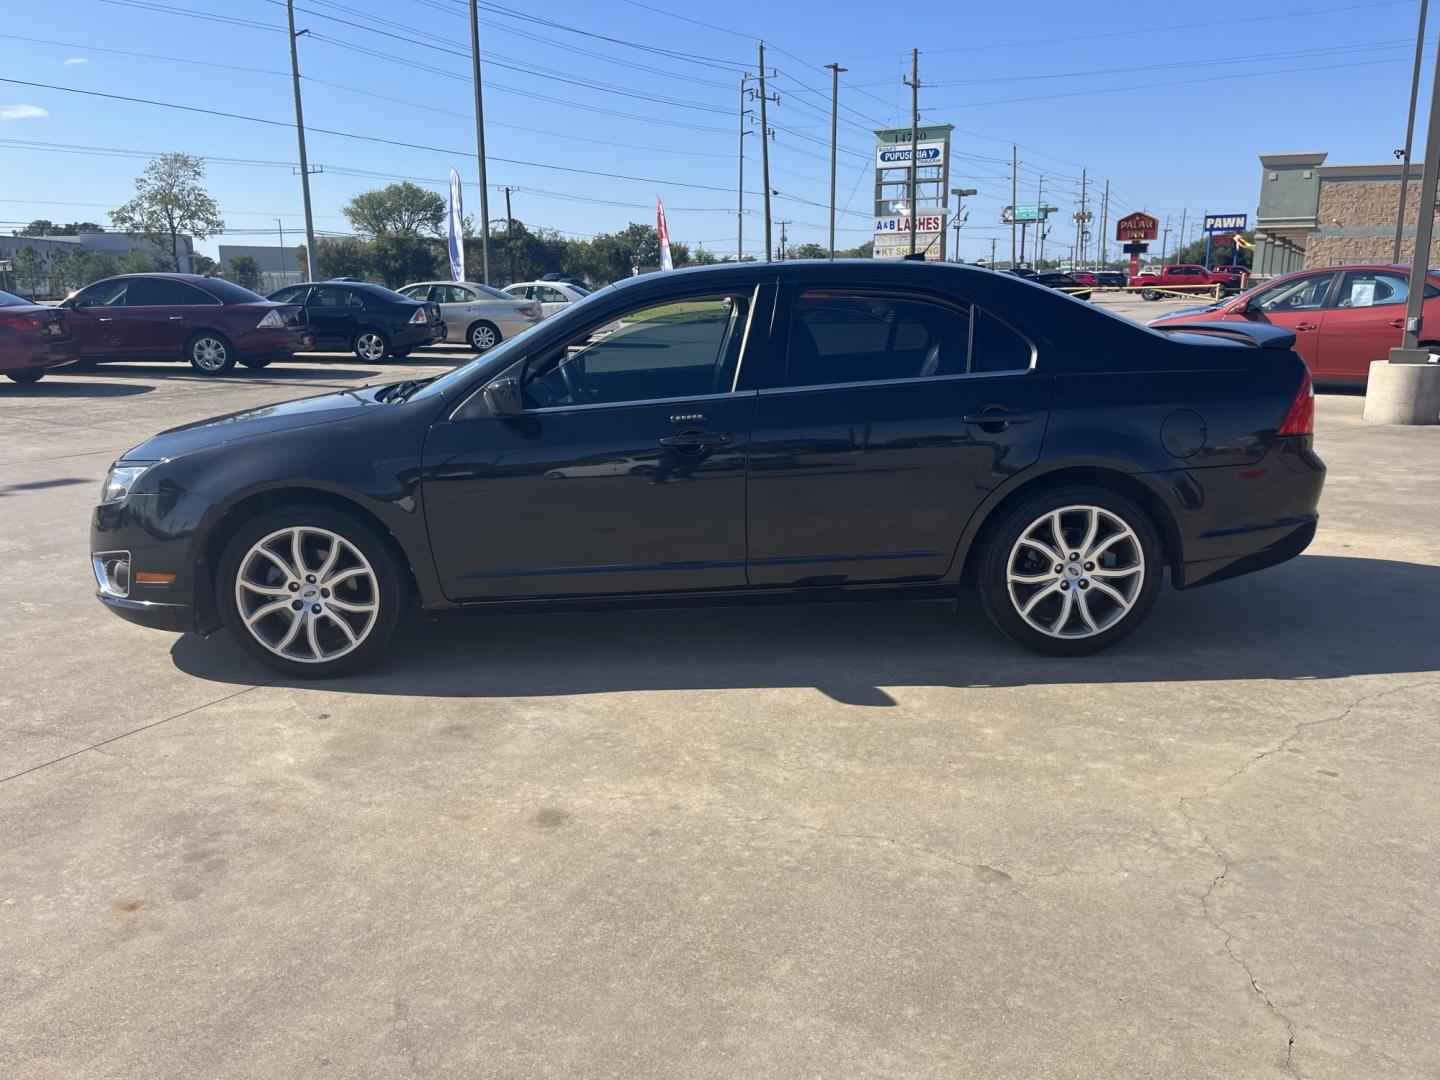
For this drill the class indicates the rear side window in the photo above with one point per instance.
(996, 347)
(231, 293)
(838, 338)
(332, 298)
(162, 292)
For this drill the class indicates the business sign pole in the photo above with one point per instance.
(1221, 223)
(898, 162)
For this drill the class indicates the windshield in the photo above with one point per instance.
(11, 300)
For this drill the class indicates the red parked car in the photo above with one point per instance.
(1344, 317)
(33, 339)
(210, 322)
(1182, 277)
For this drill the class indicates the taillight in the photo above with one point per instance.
(20, 322)
(271, 321)
(421, 315)
(1300, 420)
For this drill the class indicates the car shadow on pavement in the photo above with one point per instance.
(1317, 617)
(276, 373)
(56, 386)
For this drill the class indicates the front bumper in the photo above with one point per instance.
(149, 534)
(176, 618)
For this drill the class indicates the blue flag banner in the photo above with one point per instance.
(457, 230)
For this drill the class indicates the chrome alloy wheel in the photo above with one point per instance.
(209, 353)
(371, 347)
(483, 337)
(307, 594)
(1075, 572)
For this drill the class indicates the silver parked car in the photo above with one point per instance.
(552, 296)
(476, 313)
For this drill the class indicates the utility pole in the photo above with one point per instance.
(1014, 199)
(1165, 242)
(914, 84)
(1104, 224)
(1410, 130)
(835, 70)
(740, 188)
(1082, 231)
(300, 134)
(509, 232)
(480, 148)
(765, 151)
(280, 227)
(784, 237)
(1184, 213)
(992, 253)
(1040, 225)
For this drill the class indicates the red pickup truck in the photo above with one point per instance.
(1187, 278)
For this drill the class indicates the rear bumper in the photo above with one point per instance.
(1232, 520)
(414, 335)
(39, 356)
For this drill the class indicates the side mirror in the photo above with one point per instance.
(1240, 307)
(503, 397)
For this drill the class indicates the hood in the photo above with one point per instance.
(284, 416)
(1185, 313)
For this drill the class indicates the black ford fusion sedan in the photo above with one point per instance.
(806, 431)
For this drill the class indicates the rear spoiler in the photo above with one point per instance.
(1261, 335)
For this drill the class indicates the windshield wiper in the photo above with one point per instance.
(401, 390)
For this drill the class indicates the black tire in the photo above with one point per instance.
(26, 377)
(370, 346)
(388, 588)
(401, 354)
(1149, 294)
(483, 335)
(1001, 542)
(210, 353)
(255, 363)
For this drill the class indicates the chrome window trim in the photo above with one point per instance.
(721, 396)
(929, 379)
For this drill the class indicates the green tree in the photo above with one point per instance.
(139, 260)
(30, 269)
(40, 227)
(67, 267)
(402, 209)
(399, 258)
(704, 258)
(75, 228)
(203, 264)
(169, 201)
(94, 266)
(808, 251)
(345, 256)
(245, 272)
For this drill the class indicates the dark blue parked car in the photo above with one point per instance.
(806, 430)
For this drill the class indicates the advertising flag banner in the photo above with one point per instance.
(664, 231)
(457, 230)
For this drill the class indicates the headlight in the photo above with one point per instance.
(119, 480)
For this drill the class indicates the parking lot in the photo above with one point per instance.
(834, 841)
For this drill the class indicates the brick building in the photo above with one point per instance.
(1313, 214)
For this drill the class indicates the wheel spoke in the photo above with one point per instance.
(264, 590)
(1120, 572)
(1105, 545)
(1035, 599)
(1067, 604)
(1093, 516)
(356, 609)
(345, 626)
(1049, 552)
(290, 634)
(1084, 606)
(330, 559)
(297, 543)
(1114, 594)
(1057, 532)
(1032, 579)
(266, 609)
(345, 575)
(285, 567)
(311, 637)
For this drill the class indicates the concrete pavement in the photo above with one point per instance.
(839, 841)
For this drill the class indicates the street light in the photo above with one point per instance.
(960, 194)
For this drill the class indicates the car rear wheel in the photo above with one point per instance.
(1149, 294)
(310, 592)
(483, 336)
(26, 376)
(370, 346)
(1070, 571)
(210, 353)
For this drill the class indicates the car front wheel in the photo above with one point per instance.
(210, 354)
(1070, 571)
(484, 336)
(27, 376)
(310, 592)
(371, 346)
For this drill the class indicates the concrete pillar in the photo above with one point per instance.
(1404, 392)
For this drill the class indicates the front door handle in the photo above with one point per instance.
(105, 318)
(997, 417)
(1306, 326)
(177, 318)
(1398, 324)
(696, 440)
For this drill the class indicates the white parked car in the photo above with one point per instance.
(552, 296)
(482, 315)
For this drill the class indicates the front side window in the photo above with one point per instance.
(295, 294)
(104, 293)
(331, 298)
(1372, 288)
(1299, 294)
(451, 294)
(686, 348)
(840, 338)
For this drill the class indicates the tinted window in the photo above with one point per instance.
(552, 296)
(162, 292)
(835, 338)
(681, 349)
(996, 347)
(295, 294)
(331, 298)
(231, 293)
(104, 293)
(379, 292)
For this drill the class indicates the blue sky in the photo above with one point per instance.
(1171, 103)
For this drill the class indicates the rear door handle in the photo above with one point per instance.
(695, 440)
(105, 318)
(1398, 324)
(177, 318)
(997, 418)
(1305, 326)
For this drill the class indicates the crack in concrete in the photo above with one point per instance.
(974, 868)
(1225, 861)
